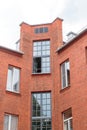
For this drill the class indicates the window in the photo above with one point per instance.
(86, 53)
(13, 79)
(65, 74)
(10, 122)
(41, 30)
(67, 117)
(41, 111)
(17, 45)
(41, 57)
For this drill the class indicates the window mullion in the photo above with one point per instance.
(9, 124)
(41, 111)
(66, 73)
(69, 124)
(12, 79)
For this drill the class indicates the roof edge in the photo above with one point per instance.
(11, 50)
(70, 41)
(41, 23)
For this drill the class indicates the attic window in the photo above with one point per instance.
(41, 30)
(71, 35)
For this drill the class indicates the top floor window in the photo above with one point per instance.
(65, 74)
(41, 30)
(41, 56)
(13, 79)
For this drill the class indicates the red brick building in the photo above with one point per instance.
(43, 84)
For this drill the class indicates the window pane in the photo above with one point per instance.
(43, 70)
(10, 122)
(66, 125)
(49, 113)
(48, 69)
(68, 73)
(35, 48)
(6, 122)
(71, 126)
(35, 53)
(16, 77)
(9, 79)
(39, 48)
(47, 42)
(37, 65)
(63, 75)
(39, 53)
(13, 79)
(14, 123)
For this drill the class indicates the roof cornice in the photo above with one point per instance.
(71, 41)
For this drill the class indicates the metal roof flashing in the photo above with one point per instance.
(71, 40)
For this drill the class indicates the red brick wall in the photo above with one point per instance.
(75, 96)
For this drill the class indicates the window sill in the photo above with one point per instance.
(13, 93)
(41, 73)
(64, 89)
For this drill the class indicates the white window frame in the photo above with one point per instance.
(68, 121)
(11, 86)
(10, 120)
(67, 66)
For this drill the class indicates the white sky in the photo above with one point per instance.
(13, 12)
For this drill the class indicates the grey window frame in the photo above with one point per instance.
(42, 118)
(41, 30)
(41, 51)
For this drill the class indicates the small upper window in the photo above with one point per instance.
(41, 30)
(65, 74)
(13, 79)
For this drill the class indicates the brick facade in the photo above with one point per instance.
(74, 96)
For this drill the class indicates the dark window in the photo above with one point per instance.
(41, 30)
(41, 57)
(41, 111)
(45, 29)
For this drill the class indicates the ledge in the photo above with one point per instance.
(41, 73)
(11, 50)
(71, 41)
(13, 93)
(65, 89)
